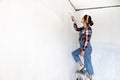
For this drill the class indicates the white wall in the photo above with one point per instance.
(36, 40)
(105, 42)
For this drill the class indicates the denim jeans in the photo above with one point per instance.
(87, 57)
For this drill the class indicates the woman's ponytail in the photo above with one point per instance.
(90, 22)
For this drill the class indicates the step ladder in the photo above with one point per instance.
(81, 75)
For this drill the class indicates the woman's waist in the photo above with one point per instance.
(83, 42)
(82, 39)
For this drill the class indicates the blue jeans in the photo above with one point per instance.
(87, 57)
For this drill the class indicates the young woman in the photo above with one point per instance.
(85, 49)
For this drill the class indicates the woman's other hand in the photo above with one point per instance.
(82, 53)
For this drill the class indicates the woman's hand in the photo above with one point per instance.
(73, 19)
(82, 53)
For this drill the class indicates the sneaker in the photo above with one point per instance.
(80, 67)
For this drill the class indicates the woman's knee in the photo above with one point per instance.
(72, 53)
(76, 52)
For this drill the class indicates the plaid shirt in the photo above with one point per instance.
(84, 35)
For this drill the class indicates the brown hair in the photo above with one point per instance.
(88, 20)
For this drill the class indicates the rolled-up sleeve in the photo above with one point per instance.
(87, 38)
(76, 27)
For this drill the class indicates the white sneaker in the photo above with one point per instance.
(80, 67)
